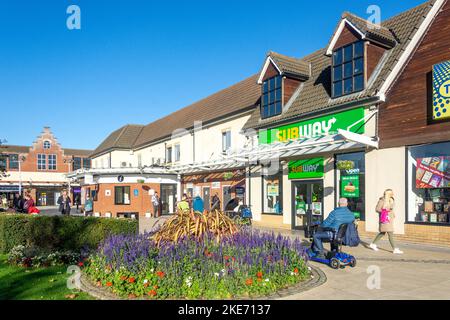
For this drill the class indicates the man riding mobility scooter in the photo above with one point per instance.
(339, 230)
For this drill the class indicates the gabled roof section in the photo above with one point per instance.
(123, 138)
(285, 65)
(365, 29)
(315, 97)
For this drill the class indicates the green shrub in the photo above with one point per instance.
(59, 233)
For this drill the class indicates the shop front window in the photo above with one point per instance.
(351, 173)
(122, 195)
(273, 194)
(429, 184)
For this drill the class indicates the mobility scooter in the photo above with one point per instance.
(335, 258)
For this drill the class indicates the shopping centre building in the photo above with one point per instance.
(366, 113)
(41, 169)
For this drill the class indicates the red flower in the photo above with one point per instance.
(234, 259)
(132, 280)
(81, 264)
(296, 271)
(153, 293)
(227, 258)
(249, 282)
(260, 275)
(161, 274)
(109, 284)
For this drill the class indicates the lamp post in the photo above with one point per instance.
(69, 162)
(21, 159)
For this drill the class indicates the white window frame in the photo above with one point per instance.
(47, 142)
(226, 140)
(53, 165)
(41, 161)
(177, 152)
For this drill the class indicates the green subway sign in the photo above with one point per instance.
(306, 168)
(316, 127)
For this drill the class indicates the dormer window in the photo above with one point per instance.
(47, 144)
(271, 101)
(348, 69)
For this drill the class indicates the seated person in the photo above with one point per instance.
(330, 226)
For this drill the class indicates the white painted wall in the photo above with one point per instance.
(385, 169)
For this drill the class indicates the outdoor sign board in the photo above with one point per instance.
(306, 168)
(316, 127)
(441, 91)
(433, 172)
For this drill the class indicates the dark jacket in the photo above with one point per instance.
(351, 238)
(64, 207)
(337, 218)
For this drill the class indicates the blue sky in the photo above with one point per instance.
(136, 61)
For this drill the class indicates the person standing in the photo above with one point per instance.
(88, 206)
(385, 208)
(156, 204)
(78, 201)
(215, 203)
(64, 203)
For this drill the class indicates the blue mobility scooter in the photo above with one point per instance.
(335, 258)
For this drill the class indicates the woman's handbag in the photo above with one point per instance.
(384, 216)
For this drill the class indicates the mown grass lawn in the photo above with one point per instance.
(18, 283)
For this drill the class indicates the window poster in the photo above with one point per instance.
(433, 172)
(350, 187)
(273, 190)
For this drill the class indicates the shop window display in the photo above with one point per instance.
(272, 186)
(429, 183)
(350, 173)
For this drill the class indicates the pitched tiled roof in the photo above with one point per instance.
(315, 95)
(14, 149)
(290, 65)
(372, 31)
(123, 138)
(77, 152)
(26, 149)
(241, 97)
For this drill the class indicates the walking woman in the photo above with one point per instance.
(64, 203)
(385, 208)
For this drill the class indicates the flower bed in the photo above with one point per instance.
(248, 263)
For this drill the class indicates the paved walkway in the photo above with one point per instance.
(423, 272)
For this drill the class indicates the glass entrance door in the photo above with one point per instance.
(168, 198)
(307, 203)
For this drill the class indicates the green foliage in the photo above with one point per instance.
(18, 283)
(59, 233)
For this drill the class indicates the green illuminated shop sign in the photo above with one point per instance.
(306, 168)
(317, 127)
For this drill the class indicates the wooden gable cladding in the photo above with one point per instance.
(405, 117)
(374, 53)
(289, 88)
(347, 36)
(271, 72)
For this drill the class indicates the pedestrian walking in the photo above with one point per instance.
(156, 204)
(215, 203)
(385, 208)
(64, 203)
